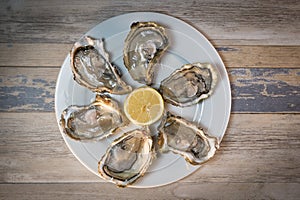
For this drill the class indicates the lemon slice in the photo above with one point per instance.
(144, 106)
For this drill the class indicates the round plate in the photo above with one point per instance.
(187, 45)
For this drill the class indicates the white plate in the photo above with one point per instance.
(187, 45)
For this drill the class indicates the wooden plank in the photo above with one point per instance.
(232, 191)
(27, 88)
(37, 150)
(257, 148)
(231, 22)
(253, 89)
(237, 191)
(32, 55)
(53, 55)
(265, 90)
(260, 56)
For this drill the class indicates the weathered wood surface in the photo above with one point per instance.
(257, 148)
(232, 21)
(53, 55)
(203, 191)
(265, 90)
(27, 88)
(253, 163)
(259, 42)
(253, 89)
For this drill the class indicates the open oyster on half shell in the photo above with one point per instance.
(92, 122)
(189, 84)
(127, 158)
(143, 48)
(92, 69)
(185, 138)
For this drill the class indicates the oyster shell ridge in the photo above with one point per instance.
(131, 178)
(213, 142)
(90, 76)
(102, 103)
(143, 72)
(194, 87)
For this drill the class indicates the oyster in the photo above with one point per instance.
(185, 138)
(144, 45)
(93, 122)
(127, 158)
(92, 69)
(189, 84)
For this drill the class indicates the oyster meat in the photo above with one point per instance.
(189, 84)
(92, 69)
(143, 48)
(93, 122)
(185, 138)
(127, 158)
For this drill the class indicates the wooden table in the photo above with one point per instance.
(259, 42)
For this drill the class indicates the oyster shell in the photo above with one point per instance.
(93, 122)
(189, 84)
(144, 46)
(185, 138)
(92, 69)
(127, 158)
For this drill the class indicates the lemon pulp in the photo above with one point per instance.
(144, 106)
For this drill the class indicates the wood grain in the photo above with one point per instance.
(202, 191)
(33, 55)
(231, 22)
(265, 90)
(259, 42)
(253, 89)
(257, 148)
(53, 55)
(27, 88)
(260, 56)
